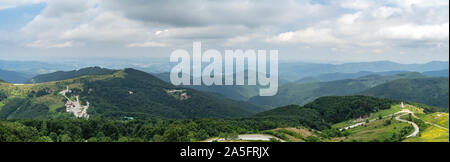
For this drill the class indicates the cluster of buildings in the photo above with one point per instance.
(75, 107)
(180, 94)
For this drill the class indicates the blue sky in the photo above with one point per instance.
(406, 31)
(16, 18)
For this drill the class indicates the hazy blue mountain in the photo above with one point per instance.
(430, 91)
(439, 73)
(13, 77)
(342, 76)
(302, 93)
(297, 71)
(34, 67)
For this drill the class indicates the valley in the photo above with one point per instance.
(376, 128)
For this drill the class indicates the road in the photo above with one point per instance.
(362, 123)
(251, 137)
(416, 128)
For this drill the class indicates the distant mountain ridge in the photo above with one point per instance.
(342, 76)
(438, 73)
(296, 71)
(13, 77)
(63, 75)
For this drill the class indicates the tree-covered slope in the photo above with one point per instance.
(124, 93)
(430, 91)
(150, 96)
(63, 75)
(325, 111)
(302, 93)
(235, 92)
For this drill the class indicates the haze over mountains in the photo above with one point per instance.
(13, 77)
(297, 71)
(288, 71)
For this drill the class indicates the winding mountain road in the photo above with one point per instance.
(251, 137)
(403, 112)
(416, 127)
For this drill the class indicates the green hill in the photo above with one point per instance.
(124, 93)
(63, 75)
(325, 111)
(302, 93)
(430, 91)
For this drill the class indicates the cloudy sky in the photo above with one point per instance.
(406, 31)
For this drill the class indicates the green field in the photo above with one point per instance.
(376, 131)
(431, 134)
(438, 118)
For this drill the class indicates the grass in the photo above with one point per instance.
(374, 131)
(431, 134)
(438, 118)
(291, 134)
(383, 113)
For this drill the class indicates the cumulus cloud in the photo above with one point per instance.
(372, 26)
(309, 36)
(47, 44)
(438, 32)
(251, 13)
(147, 44)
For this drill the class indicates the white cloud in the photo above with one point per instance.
(357, 4)
(147, 44)
(376, 26)
(47, 44)
(308, 36)
(438, 32)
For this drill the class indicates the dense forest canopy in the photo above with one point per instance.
(430, 91)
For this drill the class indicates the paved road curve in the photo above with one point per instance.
(251, 137)
(416, 128)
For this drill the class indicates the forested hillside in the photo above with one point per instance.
(123, 94)
(430, 91)
(325, 111)
(302, 93)
(63, 75)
